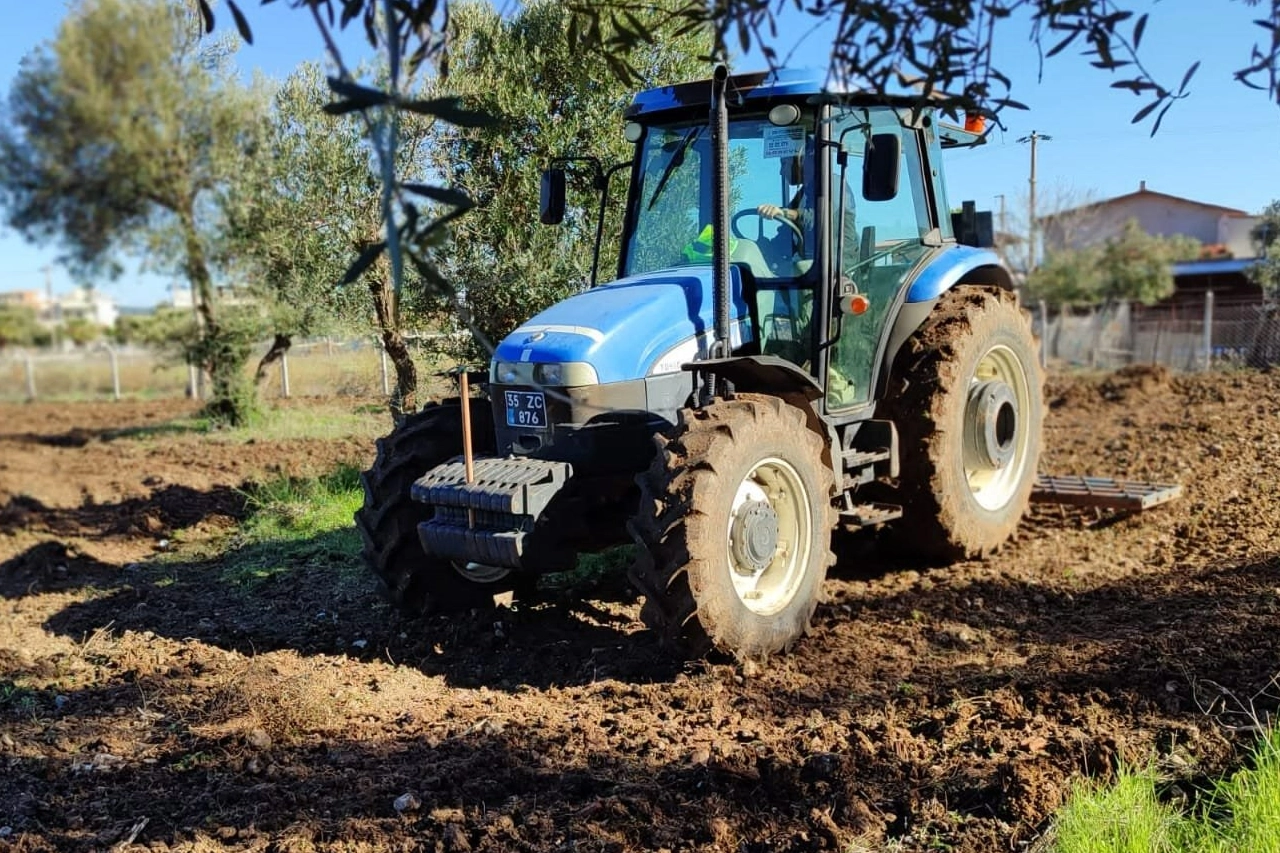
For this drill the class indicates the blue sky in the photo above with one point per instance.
(1220, 145)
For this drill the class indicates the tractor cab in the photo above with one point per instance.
(834, 205)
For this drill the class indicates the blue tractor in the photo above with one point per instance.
(801, 337)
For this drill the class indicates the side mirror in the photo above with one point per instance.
(880, 167)
(551, 205)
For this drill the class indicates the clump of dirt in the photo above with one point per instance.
(1139, 379)
(1136, 381)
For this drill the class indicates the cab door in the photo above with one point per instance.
(878, 239)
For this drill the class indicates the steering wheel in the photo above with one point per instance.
(751, 211)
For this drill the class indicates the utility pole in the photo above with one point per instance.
(1003, 241)
(55, 310)
(1031, 228)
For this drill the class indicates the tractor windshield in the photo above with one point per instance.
(771, 184)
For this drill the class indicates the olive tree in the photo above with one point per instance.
(303, 208)
(1138, 267)
(117, 135)
(942, 49)
(1265, 272)
(1132, 266)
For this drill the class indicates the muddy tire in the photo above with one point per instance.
(413, 581)
(733, 529)
(966, 394)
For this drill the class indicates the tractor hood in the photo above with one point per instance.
(623, 328)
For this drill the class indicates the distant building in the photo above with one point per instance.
(224, 294)
(84, 303)
(179, 297)
(33, 299)
(1223, 232)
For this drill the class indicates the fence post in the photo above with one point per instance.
(1208, 329)
(115, 373)
(1044, 335)
(1097, 337)
(31, 378)
(284, 375)
(193, 381)
(386, 378)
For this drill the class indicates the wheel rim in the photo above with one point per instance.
(772, 494)
(481, 573)
(996, 428)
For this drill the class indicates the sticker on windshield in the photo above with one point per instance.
(783, 141)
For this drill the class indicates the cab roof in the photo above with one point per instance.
(786, 84)
(782, 83)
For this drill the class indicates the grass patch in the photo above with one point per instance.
(593, 569)
(295, 423)
(1124, 817)
(1248, 804)
(297, 523)
(319, 421)
(1241, 812)
(18, 699)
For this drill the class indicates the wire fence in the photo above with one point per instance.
(1192, 334)
(1188, 335)
(320, 368)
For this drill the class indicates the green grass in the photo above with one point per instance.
(297, 524)
(16, 698)
(1239, 814)
(302, 423)
(1124, 817)
(593, 568)
(1248, 804)
(272, 424)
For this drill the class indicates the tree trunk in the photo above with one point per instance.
(229, 401)
(404, 398)
(279, 347)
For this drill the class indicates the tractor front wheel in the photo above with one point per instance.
(414, 581)
(966, 397)
(734, 529)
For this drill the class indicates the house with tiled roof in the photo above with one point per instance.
(1223, 232)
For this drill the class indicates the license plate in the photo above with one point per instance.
(526, 409)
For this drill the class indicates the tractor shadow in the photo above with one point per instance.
(80, 436)
(60, 562)
(320, 601)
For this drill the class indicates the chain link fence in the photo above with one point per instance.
(1188, 335)
(317, 368)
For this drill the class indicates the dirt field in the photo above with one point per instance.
(164, 705)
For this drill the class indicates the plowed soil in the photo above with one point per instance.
(153, 701)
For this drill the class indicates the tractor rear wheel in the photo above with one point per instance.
(966, 397)
(734, 529)
(415, 582)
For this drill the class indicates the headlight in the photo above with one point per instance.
(506, 373)
(548, 374)
(565, 375)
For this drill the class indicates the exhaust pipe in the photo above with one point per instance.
(720, 346)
